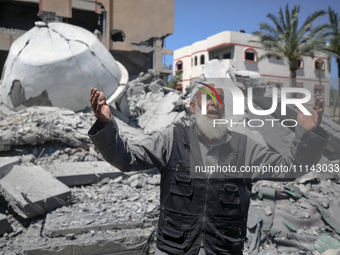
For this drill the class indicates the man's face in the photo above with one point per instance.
(213, 111)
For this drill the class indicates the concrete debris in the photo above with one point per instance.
(7, 164)
(32, 191)
(154, 107)
(160, 115)
(83, 173)
(107, 206)
(122, 242)
(38, 125)
(44, 63)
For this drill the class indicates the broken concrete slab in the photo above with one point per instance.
(148, 101)
(6, 164)
(159, 116)
(119, 115)
(83, 173)
(214, 69)
(4, 110)
(122, 242)
(108, 206)
(38, 68)
(32, 191)
(37, 125)
(5, 140)
(51, 230)
(123, 106)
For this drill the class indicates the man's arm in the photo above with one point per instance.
(306, 148)
(153, 151)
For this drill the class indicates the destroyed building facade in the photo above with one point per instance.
(235, 49)
(120, 25)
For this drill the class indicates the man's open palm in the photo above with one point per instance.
(311, 122)
(101, 110)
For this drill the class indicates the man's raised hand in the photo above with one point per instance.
(100, 110)
(311, 122)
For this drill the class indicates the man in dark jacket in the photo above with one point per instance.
(203, 212)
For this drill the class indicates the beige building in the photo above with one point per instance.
(234, 48)
(133, 31)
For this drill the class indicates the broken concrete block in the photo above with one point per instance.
(122, 242)
(82, 173)
(148, 101)
(119, 115)
(123, 106)
(6, 164)
(39, 124)
(215, 69)
(177, 121)
(5, 137)
(44, 63)
(154, 87)
(5, 226)
(32, 191)
(159, 116)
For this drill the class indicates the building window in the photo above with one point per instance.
(179, 66)
(117, 35)
(227, 55)
(300, 63)
(202, 59)
(250, 55)
(298, 95)
(192, 62)
(319, 65)
(195, 60)
(318, 90)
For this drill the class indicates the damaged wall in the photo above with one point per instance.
(133, 31)
(56, 65)
(139, 37)
(139, 30)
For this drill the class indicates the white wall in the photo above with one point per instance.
(237, 43)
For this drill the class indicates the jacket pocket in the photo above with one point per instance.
(181, 184)
(229, 237)
(229, 245)
(175, 230)
(229, 194)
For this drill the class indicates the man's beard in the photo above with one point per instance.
(206, 126)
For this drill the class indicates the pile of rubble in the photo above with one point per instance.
(58, 196)
(151, 105)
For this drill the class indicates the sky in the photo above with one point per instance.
(195, 20)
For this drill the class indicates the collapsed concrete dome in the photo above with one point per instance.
(56, 64)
